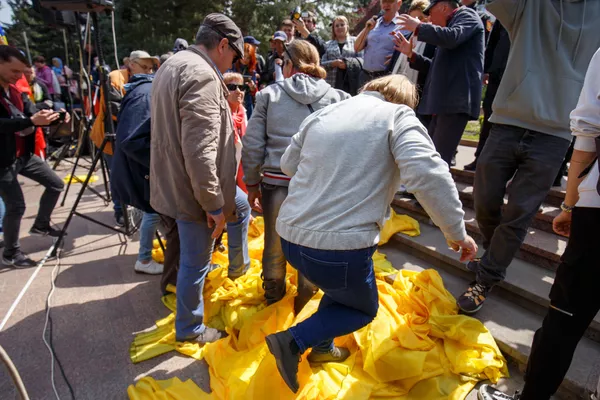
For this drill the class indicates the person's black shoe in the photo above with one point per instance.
(287, 355)
(119, 219)
(453, 161)
(472, 300)
(471, 167)
(18, 260)
(47, 231)
(486, 392)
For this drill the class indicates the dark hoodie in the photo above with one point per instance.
(552, 43)
(131, 160)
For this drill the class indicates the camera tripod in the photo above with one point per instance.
(109, 137)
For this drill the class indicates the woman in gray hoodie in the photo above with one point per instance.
(279, 112)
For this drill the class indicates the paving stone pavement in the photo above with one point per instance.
(98, 304)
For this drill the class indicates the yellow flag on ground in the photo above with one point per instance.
(417, 347)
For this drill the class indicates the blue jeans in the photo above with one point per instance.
(115, 198)
(2, 211)
(147, 231)
(196, 247)
(350, 301)
(237, 236)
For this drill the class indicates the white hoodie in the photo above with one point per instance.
(585, 126)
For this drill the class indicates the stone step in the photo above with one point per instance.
(526, 284)
(540, 247)
(512, 326)
(543, 218)
(554, 198)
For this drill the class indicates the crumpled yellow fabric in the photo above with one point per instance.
(79, 178)
(398, 223)
(148, 388)
(417, 347)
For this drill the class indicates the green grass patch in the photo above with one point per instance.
(472, 131)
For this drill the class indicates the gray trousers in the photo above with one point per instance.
(274, 261)
(37, 170)
(532, 159)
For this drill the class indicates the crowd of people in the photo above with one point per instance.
(319, 135)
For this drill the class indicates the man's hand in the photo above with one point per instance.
(388, 60)
(301, 27)
(67, 116)
(562, 223)
(468, 248)
(44, 117)
(404, 46)
(255, 200)
(409, 23)
(341, 64)
(370, 24)
(278, 61)
(486, 79)
(216, 221)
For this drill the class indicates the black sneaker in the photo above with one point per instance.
(18, 260)
(287, 355)
(471, 167)
(47, 231)
(472, 300)
(486, 392)
(120, 220)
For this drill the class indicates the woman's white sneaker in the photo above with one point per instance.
(152, 268)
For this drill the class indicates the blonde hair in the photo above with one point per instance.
(339, 18)
(397, 89)
(229, 77)
(305, 58)
(419, 5)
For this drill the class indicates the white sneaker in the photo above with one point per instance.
(152, 268)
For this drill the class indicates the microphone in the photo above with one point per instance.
(376, 17)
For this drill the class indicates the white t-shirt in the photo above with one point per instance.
(585, 126)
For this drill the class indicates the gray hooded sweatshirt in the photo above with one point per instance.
(552, 43)
(279, 111)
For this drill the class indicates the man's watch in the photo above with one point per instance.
(566, 208)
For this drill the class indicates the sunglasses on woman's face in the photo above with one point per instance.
(232, 87)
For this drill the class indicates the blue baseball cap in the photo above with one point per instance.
(280, 35)
(251, 40)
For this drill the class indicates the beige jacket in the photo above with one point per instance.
(192, 164)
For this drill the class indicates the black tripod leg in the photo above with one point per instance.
(62, 203)
(106, 177)
(73, 211)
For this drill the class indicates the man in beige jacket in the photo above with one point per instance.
(193, 165)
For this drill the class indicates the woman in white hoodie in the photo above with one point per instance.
(346, 162)
(279, 111)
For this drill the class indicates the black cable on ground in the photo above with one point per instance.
(50, 337)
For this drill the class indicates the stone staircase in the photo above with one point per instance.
(515, 309)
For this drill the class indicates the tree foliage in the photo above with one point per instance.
(154, 25)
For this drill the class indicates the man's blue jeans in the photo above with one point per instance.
(147, 232)
(2, 211)
(350, 301)
(196, 247)
(117, 207)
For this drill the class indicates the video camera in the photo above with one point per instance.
(297, 14)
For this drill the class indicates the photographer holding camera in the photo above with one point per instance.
(18, 119)
(306, 28)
